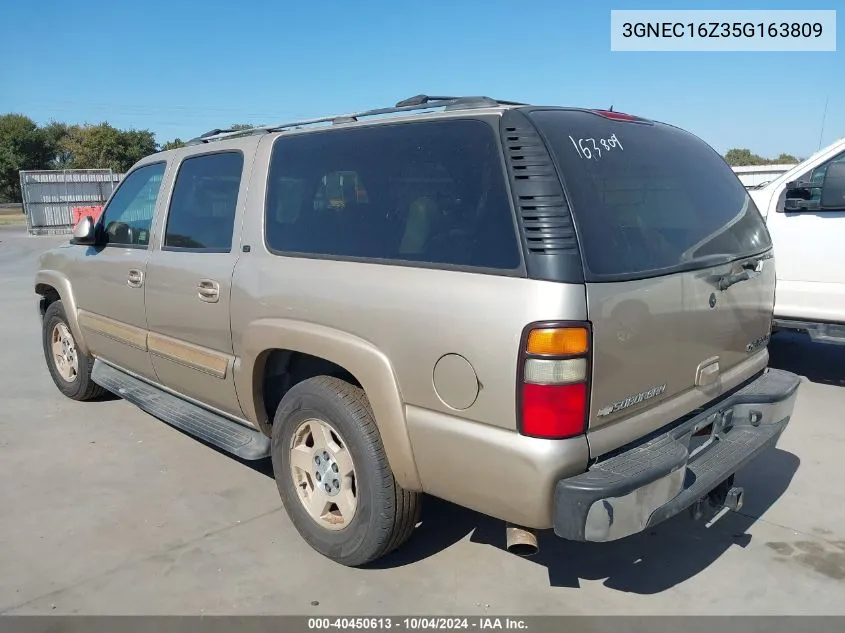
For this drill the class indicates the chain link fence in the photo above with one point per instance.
(49, 196)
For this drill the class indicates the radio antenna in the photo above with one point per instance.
(824, 116)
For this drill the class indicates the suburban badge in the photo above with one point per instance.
(632, 400)
(757, 343)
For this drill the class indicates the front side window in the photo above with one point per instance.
(204, 201)
(428, 192)
(129, 214)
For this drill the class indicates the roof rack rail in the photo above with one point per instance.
(418, 102)
(421, 100)
(217, 134)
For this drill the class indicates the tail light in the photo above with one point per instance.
(553, 380)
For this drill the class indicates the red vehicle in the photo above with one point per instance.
(92, 212)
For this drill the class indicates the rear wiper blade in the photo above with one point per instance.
(704, 262)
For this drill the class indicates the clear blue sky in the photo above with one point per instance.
(182, 67)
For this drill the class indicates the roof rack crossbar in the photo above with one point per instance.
(419, 102)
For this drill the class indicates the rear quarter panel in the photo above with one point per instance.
(393, 323)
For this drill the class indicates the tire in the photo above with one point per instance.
(385, 514)
(75, 384)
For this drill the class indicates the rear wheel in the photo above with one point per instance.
(69, 368)
(333, 475)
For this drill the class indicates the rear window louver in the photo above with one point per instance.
(543, 213)
(544, 218)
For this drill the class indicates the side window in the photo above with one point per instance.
(428, 192)
(338, 189)
(129, 214)
(816, 178)
(203, 204)
(287, 201)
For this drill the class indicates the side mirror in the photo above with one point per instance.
(798, 196)
(799, 190)
(833, 187)
(85, 231)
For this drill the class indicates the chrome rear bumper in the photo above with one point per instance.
(640, 486)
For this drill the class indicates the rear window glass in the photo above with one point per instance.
(428, 192)
(648, 199)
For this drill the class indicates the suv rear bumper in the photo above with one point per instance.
(641, 486)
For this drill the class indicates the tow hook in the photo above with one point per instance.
(725, 495)
(735, 499)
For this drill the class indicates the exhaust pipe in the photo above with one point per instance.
(521, 541)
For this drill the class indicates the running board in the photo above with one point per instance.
(210, 427)
(833, 333)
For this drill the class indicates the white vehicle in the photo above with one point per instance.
(804, 209)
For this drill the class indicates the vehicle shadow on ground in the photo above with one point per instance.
(645, 563)
(655, 560)
(107, 396)
(263, 466)
(820, 362)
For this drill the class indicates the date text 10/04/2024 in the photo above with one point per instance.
(417, 623)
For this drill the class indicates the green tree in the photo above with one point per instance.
(105, 147)
(176, 143)
(22, 146)
(137, 144)
(786, 158)
(56, 133)
(736, 157)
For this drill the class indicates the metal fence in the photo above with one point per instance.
(756, 175)
(49, 196)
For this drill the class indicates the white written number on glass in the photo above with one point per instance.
(590, 148)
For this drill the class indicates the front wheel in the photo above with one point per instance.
(69, 368)
(333, 475)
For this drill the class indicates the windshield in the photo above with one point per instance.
(648, 199)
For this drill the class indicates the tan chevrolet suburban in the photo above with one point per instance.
(555, 316)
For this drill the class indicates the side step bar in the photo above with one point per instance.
(210, 427)
(833, 333)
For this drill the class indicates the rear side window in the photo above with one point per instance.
(429, 192)
(203, 204)
(649, 199)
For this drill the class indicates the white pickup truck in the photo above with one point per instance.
(804, 209)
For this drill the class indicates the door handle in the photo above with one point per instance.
(208, 290)
(135, 278)
(707, 372)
